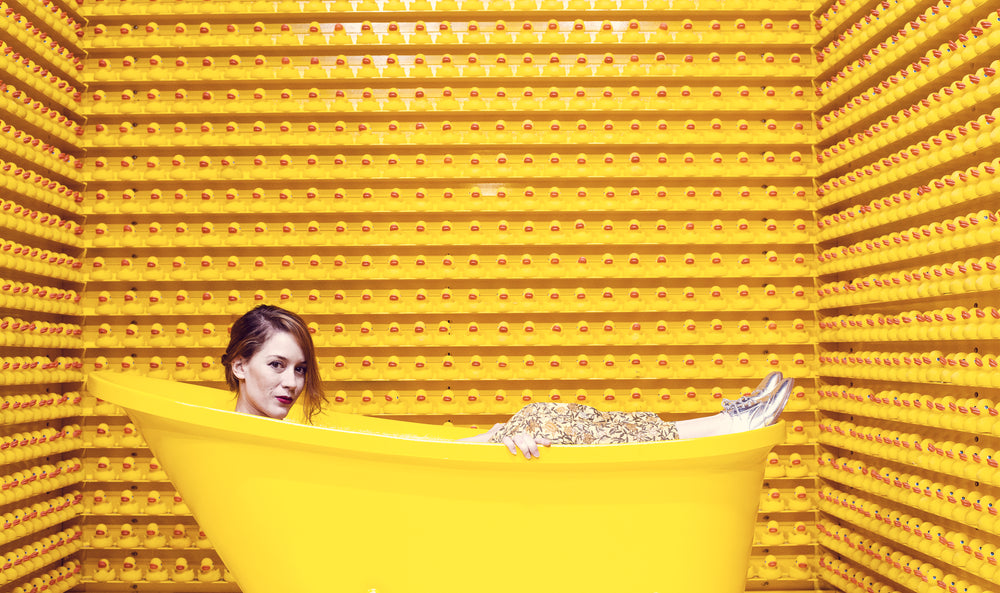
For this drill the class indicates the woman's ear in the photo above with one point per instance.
(239, 368)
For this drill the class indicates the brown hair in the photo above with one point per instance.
(255, 327)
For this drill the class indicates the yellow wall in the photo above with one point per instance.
(667, 203)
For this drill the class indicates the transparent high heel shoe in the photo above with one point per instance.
(760, 393)
(765, 411)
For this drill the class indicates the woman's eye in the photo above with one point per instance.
(276, 365)
(300, 370)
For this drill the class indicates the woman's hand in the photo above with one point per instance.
(527, 444)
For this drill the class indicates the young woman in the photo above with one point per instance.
(271, 362)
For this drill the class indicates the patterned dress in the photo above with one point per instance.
(577, 424)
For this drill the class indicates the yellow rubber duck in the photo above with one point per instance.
(101, 538)
(179, 538)
(207, 572)
(181, 572)
(103, 573)
(156, 573)
(127, 538)
(129, 572)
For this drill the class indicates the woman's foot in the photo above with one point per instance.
(762, 410)
(762, 392)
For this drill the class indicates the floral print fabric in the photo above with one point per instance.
(577, 424)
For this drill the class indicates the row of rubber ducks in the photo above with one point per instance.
(16, 103)
(953, 503)
(776, 500)
(37, 479)
(126, 436)
(33, 557)
(180, 101)
(191, 7)
(179, 571)
(774, 533)
(898, 126)
(24, 181)
(420, 300)
(104, 70)
(393, 133)
(527, 265)
(22, 521)
(315, 33)
(394, 368)
(56, 19)
(27, 296)
(924, 111)
(858, 33)
(128, 502)
(972, 414)
(773, 568)
(913, 573)
(421, 232)
(960, 459)
(896, 167)
(505, 334)
(922, 367)
(42, 262)
(458, 167)
(963, 47)
(951, 551)
(848, 577)
(949, 145)
(31, 407)
(792, 467)
(38, 152)
(959, 277)
(505, 198)
(24, 446)
(895, 94)
(128, 537)
(953, 188)
(16, 332)
(42, 225)
(29, 73)
(958, 323)
(26, 370)
(961, 232)
(888, 520)
(500, 401)
(128, 468)
(23, 31)
(57, 580)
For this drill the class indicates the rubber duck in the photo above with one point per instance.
(129, 472)
(207, 572)
(799, 535)
(156, 573)
(129, 572)
(181, 572)
(179, 538)
(127, 537)
(772, 501)
(103, 471)
(101, 537)
(128, 505)
(104, 573)
(180, 507)
(203, 542)
(130, 438)
(800, 568)
(773, 467)
(769, 568)
(101, 504)
(155, 505)
(772, 534)
(799, 500)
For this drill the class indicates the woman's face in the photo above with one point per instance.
(272, 379)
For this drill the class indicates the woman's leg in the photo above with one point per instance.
(760, 412)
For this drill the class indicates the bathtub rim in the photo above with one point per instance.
(119, 389)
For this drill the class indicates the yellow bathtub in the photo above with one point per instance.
(366, 504)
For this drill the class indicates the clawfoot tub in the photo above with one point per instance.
(365, 504)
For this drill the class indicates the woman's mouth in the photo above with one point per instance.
(285, 399)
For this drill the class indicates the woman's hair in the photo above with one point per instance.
(255, 327)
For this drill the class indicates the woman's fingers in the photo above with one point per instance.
(527, 444)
